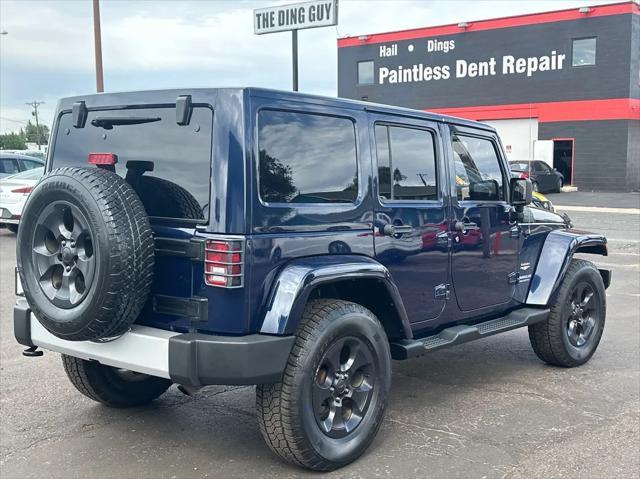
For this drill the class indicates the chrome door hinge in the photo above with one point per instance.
(442, 291)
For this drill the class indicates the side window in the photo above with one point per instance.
(9, 166)
(306, 158)
(406, 163)
(477, 167)
(542, 168)
(30, 165)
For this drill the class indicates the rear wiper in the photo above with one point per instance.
(108, 122)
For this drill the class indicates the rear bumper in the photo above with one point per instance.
(191, 359)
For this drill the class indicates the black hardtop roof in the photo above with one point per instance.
(122, 99)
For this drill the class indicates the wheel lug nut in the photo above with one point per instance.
(68, 268)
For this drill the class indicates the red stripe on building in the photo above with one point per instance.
(579, 110)
(505, 22)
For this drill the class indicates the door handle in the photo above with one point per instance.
(463, 227)
(394, 230)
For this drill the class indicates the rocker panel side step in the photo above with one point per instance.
(413, 348)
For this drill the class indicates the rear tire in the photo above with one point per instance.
(167, 199)
(13, 228)
(329, 404)
(571, 334)
(111, 386)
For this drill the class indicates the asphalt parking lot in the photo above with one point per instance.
(484, 409)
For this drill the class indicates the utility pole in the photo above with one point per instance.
(35, 104)
(97, 40)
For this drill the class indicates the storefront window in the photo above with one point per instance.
(584, 52)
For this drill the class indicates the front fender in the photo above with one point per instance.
(296, 281)
(555, 257)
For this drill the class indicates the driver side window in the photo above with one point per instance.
(477, 169)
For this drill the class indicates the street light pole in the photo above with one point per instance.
(294, 53)
(97, 39)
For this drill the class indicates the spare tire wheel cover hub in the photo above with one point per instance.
(63, 254)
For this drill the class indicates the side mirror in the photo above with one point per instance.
(521, 192)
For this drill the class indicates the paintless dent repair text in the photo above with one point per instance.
(509, 65)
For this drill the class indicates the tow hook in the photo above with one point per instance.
(32, 352)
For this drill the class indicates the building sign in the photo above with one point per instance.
(319, 13)
(448, 66)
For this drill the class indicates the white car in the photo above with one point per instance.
(14, 191)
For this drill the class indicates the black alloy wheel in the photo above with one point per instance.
(63, 254)
(343, 386)
(583, 314)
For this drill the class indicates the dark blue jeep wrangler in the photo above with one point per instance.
(298, 243)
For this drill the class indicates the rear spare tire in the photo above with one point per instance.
(85, 254)
(167, 199)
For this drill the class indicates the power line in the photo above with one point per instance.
(35, 104)
(15, 121)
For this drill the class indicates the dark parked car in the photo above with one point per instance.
(542, 176)
(292, 242)
(12, 163)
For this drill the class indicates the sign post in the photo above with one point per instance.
(298, 16)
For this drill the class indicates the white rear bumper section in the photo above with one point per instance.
(142, 349)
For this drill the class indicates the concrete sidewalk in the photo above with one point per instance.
(602, 199)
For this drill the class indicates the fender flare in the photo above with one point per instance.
(555, 257)
(291, 288)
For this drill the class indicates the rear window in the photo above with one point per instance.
(178, 185)
(306, 158)
(519, 166)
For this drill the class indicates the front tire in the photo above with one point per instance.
(559, 185)
(571, 334)
(329, 404)
(111, 386)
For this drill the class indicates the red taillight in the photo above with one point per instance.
(103, 158)
(25, 190)
(223, 263)
(524, 175)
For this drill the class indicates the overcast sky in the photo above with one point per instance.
(48, 51)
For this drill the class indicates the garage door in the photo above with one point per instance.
(517, 137)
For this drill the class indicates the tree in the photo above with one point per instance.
(12, 141)
(38, 135)
(276, 179)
